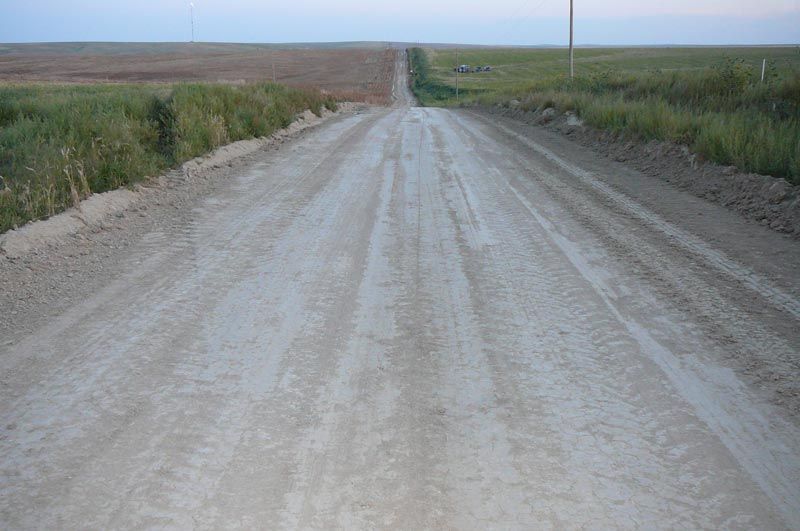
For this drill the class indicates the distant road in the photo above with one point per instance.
(419, 318)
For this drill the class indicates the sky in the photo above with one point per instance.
(517, 22)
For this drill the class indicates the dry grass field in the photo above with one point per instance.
(359, 72)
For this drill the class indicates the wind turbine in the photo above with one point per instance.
(191, 17)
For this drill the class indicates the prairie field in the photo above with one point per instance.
(352, 71)
(711, 99)
(515, 68)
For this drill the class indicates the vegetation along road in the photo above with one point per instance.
(414, 317)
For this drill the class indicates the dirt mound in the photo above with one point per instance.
(769, 200)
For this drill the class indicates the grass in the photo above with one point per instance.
(710, 99)
(58, 144)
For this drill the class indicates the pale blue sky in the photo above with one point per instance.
(464, 21)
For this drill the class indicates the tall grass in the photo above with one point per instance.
(722, 112)
(59, 144)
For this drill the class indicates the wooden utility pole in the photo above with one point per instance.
(458, 67)
(571, 42)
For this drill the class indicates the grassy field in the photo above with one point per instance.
(710, 99)
(59, 143)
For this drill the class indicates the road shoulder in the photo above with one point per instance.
(733, 278)
(768, 201)
(48, 265)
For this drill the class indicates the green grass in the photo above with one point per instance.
(58, 144)
(710, 99)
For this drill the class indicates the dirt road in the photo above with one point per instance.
(419, 318)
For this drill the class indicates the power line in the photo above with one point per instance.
(515, 21)
(529, 13)
(513, 17)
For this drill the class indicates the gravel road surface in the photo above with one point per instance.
(418, 318)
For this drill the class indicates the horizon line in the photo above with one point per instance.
(420, 43)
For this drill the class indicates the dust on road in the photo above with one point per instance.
(411, 318)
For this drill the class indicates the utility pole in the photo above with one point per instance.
(458, 67)
(271, 52)
(571, 41)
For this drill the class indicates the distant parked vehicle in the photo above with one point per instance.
(463, 69)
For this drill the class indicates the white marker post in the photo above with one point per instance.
(763, 70)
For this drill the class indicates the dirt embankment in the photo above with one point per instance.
(771, 201)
